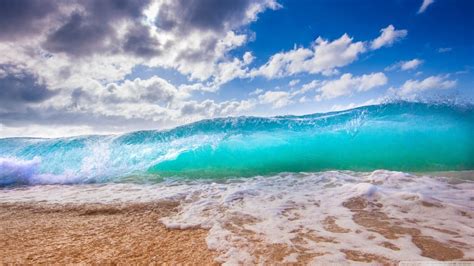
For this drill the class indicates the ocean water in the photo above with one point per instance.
(260, 183)
(410, 137)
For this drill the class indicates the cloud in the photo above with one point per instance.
(277, 99)
(256, 92)
(76, 56)
(388, 37)
(411, 87)
(192, 37)
(153, 90)
(425, 5)
(20, 88)
(115, 107)
(322, 57)
(293, 82)
(347, 84)
(94, 27)
(406, 65)
(445, 49)
(21, 18)
(308, 87)
(208, 108)
(412, 64)
(198, 35)
(183, 16)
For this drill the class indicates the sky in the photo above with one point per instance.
(76, 67)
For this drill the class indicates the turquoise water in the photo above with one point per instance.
(395, 136)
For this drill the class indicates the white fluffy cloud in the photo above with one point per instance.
(411, 64)
(256, 92)
(277, 99)
(324, 56)
(411, 87)
(347, 84)
(293, 82)
(406, 65)
(425, 5)
(388, 37)
(152, 99)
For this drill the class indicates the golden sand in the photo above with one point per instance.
(132, 233)
(39, 234)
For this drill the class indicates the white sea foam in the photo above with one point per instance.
(241, 214)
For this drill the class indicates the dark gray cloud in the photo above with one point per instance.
(212, 15)
(22, 18)
(79, 37)
(217, 17)
(19, 88)
(91, 29)
(140, 42)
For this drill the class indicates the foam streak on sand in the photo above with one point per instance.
(333, 216)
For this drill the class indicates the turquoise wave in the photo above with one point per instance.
(399, 136)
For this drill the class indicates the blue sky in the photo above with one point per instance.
(94, 66)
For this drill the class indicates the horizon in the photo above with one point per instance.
(80, 68)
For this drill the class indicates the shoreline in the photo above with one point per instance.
(381, 217)
(42, 233)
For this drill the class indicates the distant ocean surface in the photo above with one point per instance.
(301, 182)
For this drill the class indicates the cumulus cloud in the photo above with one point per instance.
(425, 5)
(406, 65)
(323, 57)
(411, 87)
(308, 87)
(209, 108)
(412, 64)
(70, 63)
(75, 58)
(19, 88)
(192, 37)
(183, 16)
(22, 18)
(347, 84)
(115, 107)
(388, 37)
(276, 99)
(93, 27)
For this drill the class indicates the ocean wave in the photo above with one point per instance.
(400, 136)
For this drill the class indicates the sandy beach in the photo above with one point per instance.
(42, 233)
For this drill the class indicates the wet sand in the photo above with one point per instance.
(43, 234)
(40, 233)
